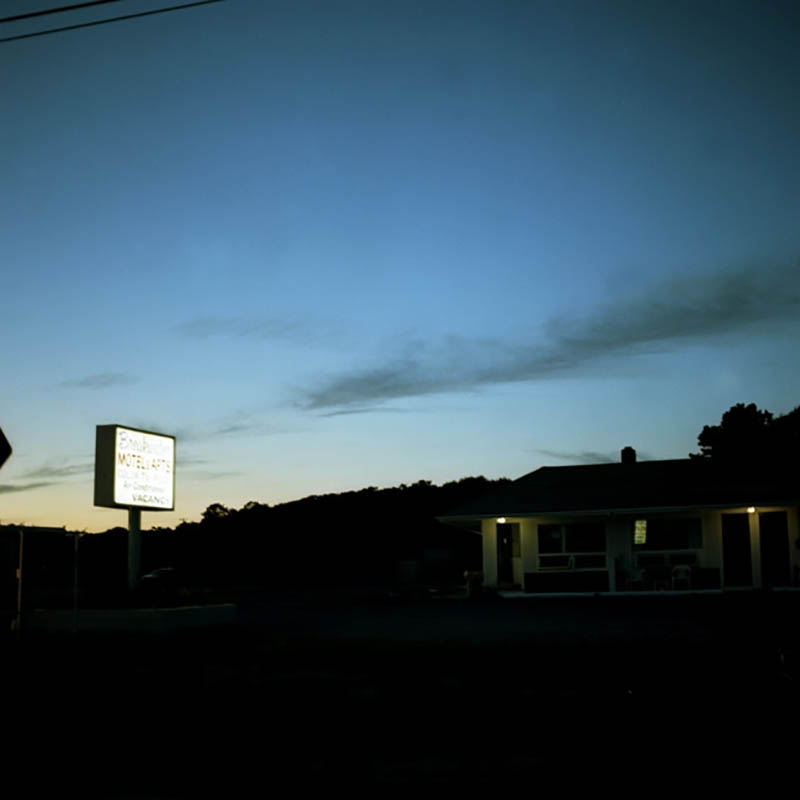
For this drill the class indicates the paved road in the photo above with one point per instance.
(380, 618)
(331, 692)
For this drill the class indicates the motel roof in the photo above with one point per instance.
(637, 486)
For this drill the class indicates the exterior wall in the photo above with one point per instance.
(619, 543)
(528, 560)
(529, 545)
(712, 555)
(755, 553)
(712, 540)
(794, 542)
(618, 547)
(529, 550)
(518, 573)
(489, 535)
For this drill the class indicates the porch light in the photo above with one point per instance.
(751, 509)
(501, 520)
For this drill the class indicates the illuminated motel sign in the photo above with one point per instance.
(134, 469)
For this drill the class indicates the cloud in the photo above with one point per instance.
(366, 410)
(229, 426)
(583, 457)
(6, 488)
(192, 461)
(687, 309)
(216, 476)
(237, 424)
(678, 312)
(589, 456)
(295, 330)
(101, 380)
(67, 471)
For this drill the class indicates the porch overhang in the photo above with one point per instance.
(617, 512)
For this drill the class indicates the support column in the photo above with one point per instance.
(134, 547)
(755, 549)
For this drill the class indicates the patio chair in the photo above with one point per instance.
(637, 580)
(681, 576)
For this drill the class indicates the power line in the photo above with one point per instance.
(109, 19)
(73, 7)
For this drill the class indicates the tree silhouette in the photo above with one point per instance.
(747, 434)
(215, 512)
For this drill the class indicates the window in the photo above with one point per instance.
(572, 546)
(551, 539)
(673, 533)
(583, 537)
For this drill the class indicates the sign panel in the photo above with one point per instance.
(640, 531)
(134, 469)
(5, 448)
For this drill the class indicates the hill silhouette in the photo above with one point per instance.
(366, 538)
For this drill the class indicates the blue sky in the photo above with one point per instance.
(338, 244)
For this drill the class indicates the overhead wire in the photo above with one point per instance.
(45, 12)
(108, 20)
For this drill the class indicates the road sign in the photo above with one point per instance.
(5, 448)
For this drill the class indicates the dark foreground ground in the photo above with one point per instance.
(328, 693)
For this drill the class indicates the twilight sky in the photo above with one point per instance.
(338, 244)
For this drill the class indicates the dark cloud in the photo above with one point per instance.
(589, 456)
(290, 330)
(101, 380)
(6, 488)
(230, 427)
(192, 461)
(235, 424)
(366, 410)
(66, 471)
(216, 476)
(234, 427)
(687, 309)
(679, 312)
(583, 457)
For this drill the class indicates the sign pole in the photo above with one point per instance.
(134, 546)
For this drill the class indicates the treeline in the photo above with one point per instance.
(371, 537)
(749, 435)
(367, 537)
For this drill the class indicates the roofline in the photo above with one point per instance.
(611, 512)
(606, 464)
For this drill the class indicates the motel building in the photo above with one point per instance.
(640, 526)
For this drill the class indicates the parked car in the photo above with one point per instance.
(160, 584)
